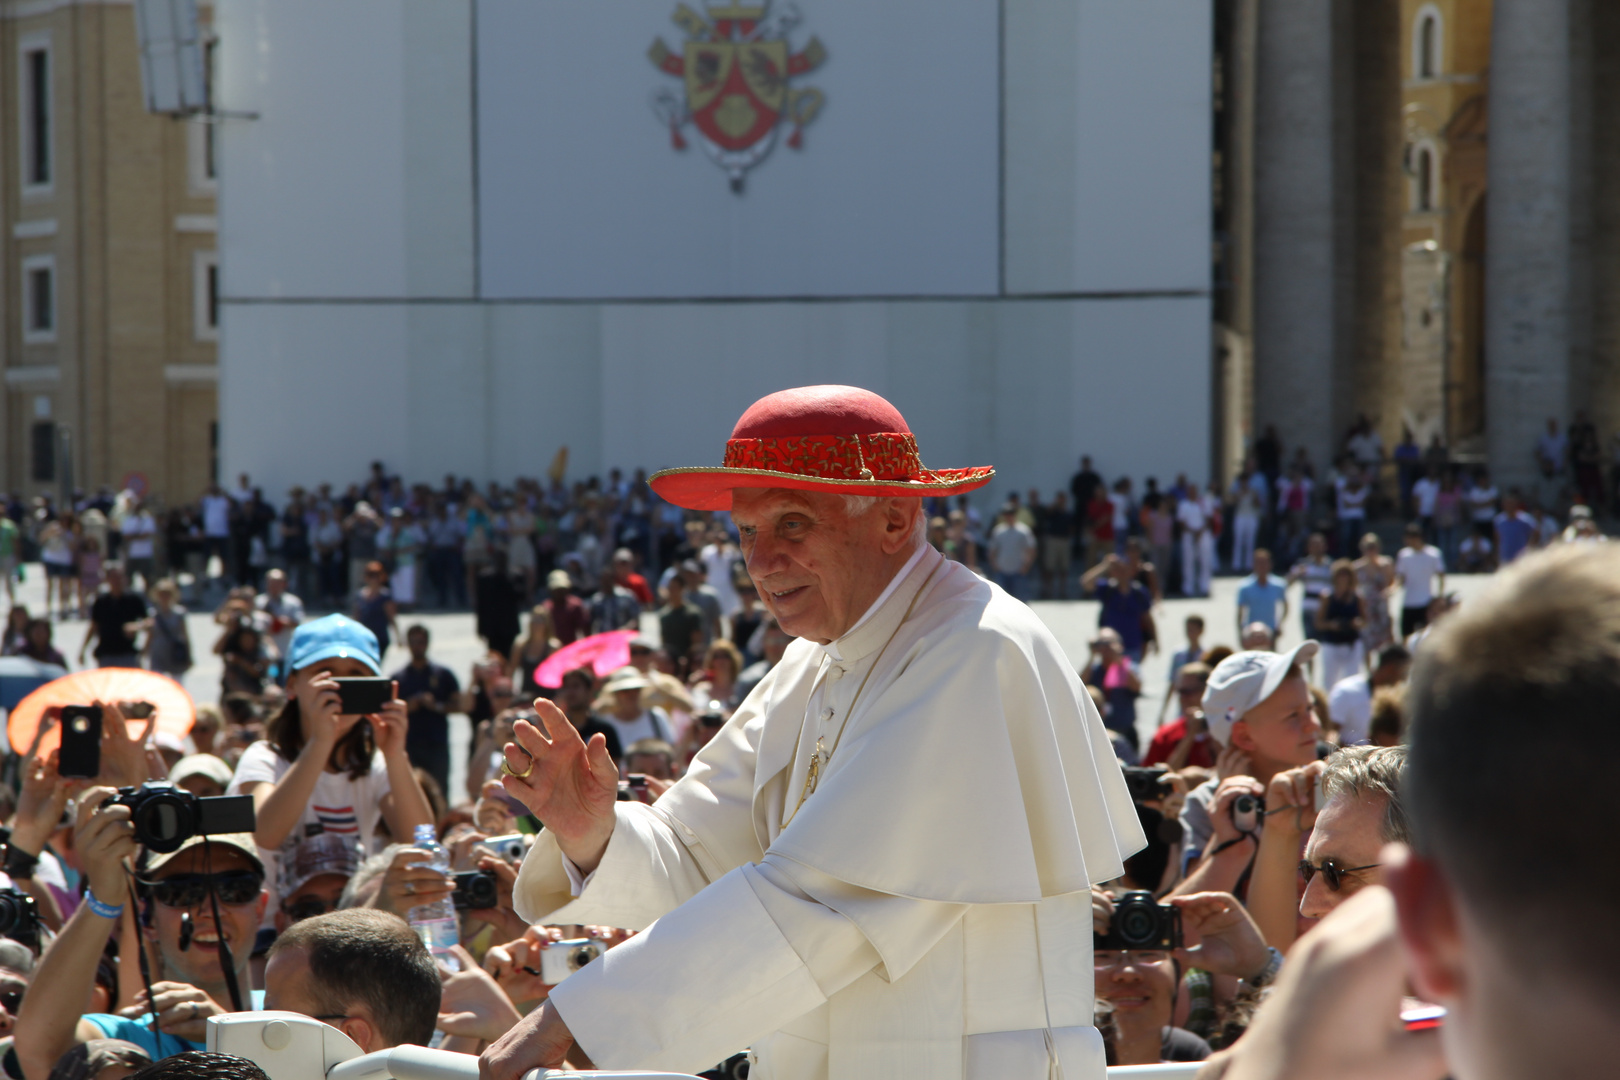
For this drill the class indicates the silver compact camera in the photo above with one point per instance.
(560, 959)
(509, 847)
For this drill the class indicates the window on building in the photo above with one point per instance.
(42, 451)
(1428, 44)
(39, 299)
(205, 295)
(36, 115)
(1423, 179)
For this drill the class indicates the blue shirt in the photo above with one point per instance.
(1514, 530)
(1262, 601)
(139, 1031)
(1122, 611)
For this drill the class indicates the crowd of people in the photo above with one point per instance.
(1268, 793)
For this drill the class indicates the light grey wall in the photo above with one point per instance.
(356, 192)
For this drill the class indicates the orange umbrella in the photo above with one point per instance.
(170, 702)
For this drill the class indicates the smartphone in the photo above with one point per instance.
(80, 757)
(362, 697)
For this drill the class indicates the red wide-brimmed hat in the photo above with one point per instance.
(839, 439)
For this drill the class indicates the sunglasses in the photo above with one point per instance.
(191, 890)
(307, 907)
(1332, 872)
(11, 1000)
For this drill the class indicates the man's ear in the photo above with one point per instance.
(1431, 931)
(898, 522)
(360, 1030)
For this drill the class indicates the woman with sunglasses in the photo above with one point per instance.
(320, 770)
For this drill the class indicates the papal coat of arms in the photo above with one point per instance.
(736, 64)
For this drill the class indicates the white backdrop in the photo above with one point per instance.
(895, 193)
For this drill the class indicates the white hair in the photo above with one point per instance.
(859, 505)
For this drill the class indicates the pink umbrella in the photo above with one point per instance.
(603, 653)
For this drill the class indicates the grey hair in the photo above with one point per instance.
(1360, 772)
(858, 505)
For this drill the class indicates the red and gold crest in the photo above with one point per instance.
(736, 65)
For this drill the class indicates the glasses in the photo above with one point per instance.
(1112, 958)
(11, 1000)
(191, 890)
(307, 907)
(1332, 872)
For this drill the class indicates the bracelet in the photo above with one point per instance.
(106, 911)
(19, 864)
(1274, 964)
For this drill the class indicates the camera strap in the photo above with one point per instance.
(140, 953)
(227, 958)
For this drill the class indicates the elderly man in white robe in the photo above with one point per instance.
(881, 865)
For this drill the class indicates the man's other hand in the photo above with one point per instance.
(540, 1041)
(1335, 1014)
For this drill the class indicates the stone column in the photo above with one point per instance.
(1527, 257)
(1294, 281)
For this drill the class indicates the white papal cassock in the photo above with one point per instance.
(925, 913)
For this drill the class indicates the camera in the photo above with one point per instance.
(80, 756)
(475, 890)
(19, 917)
(509, 847)
(1140, 922)
(1146, 784)
(560, 959)
(1247, 812)
(363, 696)
(165, 816)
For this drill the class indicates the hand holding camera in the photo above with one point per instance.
(103, 839)
(1228, 821)
(1138, 924)
(1296, 790)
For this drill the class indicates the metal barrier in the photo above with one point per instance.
(291, 1046)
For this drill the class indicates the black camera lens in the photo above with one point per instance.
(582, 956)
(163, 822)
(1139, 925)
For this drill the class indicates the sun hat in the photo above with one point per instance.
(626, 678)
(207, 765)
(333, 636)
(559, 579)
(242, 842)
(838, 439)
(1243, 680)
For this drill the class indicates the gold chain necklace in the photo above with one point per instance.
(822, 755)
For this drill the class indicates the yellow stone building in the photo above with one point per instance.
(108, 280)
(1446, 52)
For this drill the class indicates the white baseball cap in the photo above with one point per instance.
(1243, 680)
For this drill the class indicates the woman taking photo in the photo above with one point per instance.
(321, 770)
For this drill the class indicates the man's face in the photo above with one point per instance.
(289, 987)
(1392, 672)
(199, 964)
(1139, 985)
(1316, 546)
(1347, 831)
(654, 765)
(816, 568)
(314, 897)
(417, 642)
(575, 693)
(1282, 729)
(1262, 564)
(641, 659)
(275, 583)
(115, 579)
(11, 982)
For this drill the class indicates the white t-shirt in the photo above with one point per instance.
(1417, 567)
(1350, 705)
(339, 804)
(652, 724)
(1190, 513)
(1352, 502)
(1424, 491)
(717, 563)
(1482, 502)
(138, 530)
(216, 513)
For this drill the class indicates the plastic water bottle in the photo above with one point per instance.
(437, 922)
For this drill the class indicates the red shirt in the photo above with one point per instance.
(638, 585)
(570, 621)
(1167, 738)
(1101, 514)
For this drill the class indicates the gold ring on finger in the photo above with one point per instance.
(509, 771)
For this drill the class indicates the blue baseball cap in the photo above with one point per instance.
(333, 636)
